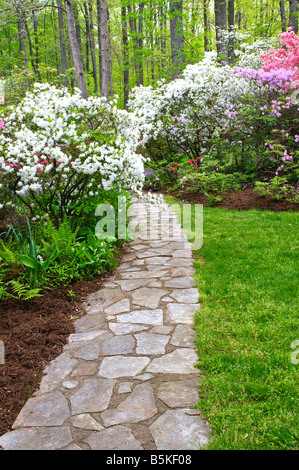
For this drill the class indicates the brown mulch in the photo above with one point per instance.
(240, 200)
(35, 332)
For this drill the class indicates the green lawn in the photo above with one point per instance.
(247, 273)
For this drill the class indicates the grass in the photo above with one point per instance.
(247, 275)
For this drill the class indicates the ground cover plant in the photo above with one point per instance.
(246, 272)
(221, 128)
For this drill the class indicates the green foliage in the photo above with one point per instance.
(278, 189)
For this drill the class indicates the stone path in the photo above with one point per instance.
(126, 379)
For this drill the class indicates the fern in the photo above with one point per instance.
(60, 239)
(7, 255)
(22, 292)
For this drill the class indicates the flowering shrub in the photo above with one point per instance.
(58, 149)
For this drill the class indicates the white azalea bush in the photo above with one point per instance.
(58, 150)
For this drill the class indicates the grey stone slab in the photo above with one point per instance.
(151, 343)
(118, 307)
(118, 345)
(86, 336)
(97, 301)
(86, 421)
(56, 371)
(114, 438)
(148, 296)
(180, 361)
(162, 329)
(160, 260)
(188, 296)
(93, 397)
(70, 384)
(150, 317)
(48, 409)
(52, 438)
(181, 313)
(128, 285)
(181, 282)
(143, 274)
(177, 430)
(125, 387)
(89, 322)
(125, 328)
(180, 262)
(139, 406)
(183, 336)
(182, 253)
(179, 394)
(122, 366)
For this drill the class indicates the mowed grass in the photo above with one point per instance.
(247, 273)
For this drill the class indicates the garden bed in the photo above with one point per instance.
(35, 333)
(240, 200)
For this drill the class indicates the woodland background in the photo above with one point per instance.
(107, 47)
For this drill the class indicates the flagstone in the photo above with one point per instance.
(191, 432)
(181, 313)
(53, 438)
(151, 343)
(183, 336)
(189, 296)
(148, 296)
(122, 366)
(118, 345)
(47, 409)
(180, 361)
(181, 282)
(86, 421)
(138, 406)
(150, 317)
(179, 394)
(125, 328)
(118, 307)
(113, 438)
(94, 396)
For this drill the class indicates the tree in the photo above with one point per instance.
(62, 42)
(177, 34)
(75, 48)
(104, 45)
(221, 26)
(293, 20)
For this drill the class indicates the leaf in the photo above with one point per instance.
(30, 262)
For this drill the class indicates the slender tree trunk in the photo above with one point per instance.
(75, 48)
(93, 47)
(231, 24)
(63, 55)
(22, 42)
(283, 16)
(206, 24)
(35, 29)
(99, 40)
(221, 26)
(32, 57)
(77, 26)
(177, 34)
(134, 35)
(140, 45)
(104, 49)
(125, 55)
(293, 20)
(87, 37)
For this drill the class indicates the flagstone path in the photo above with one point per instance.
(126, 378)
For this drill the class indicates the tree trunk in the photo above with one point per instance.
(283, 16)
(75, 48)
(206, 24)
(35, 29)
(104, 49)
(177, 35)
(87, 37)
(221, 26)
(140, 46)
(93, 47)
(99, 39)
(231, 24)
(63, 55)
(125, 55)
(22, 42)
(293, 20)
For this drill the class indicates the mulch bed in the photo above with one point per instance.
(240, 200)
(35, 332)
